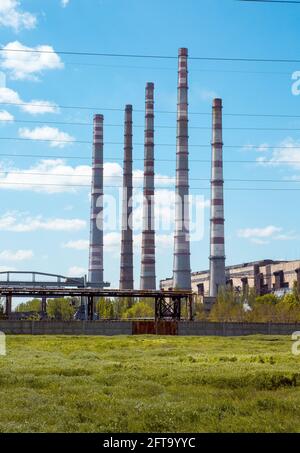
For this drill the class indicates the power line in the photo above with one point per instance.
(175, 68)
(115, 109)
(272, 1)
(162, 187)
(142, 177)
(70, 123)
(192, 145)
(160, 57)
(120, 159)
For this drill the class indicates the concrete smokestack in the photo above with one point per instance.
(96, 222)
(148, 279)
(126, 267)
(217, 246)
(181, 267)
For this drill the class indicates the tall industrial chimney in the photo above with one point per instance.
(217, 246)
(181, 267)
(148, 279)
(96, 222)
(126, 266)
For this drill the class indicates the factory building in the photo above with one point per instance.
(266, 276)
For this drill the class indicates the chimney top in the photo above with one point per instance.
(217, 102)
(182, 52)
(98, 117)
(128, 108)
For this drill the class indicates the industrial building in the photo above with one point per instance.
(266, 276)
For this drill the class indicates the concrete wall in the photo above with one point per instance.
(67, 328)
(111, 328)
(235, 328)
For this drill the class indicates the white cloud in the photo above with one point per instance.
(76, 271)
(64, 3)
(113, 174)
(81, 244)
(57, 138)
(27, 63)
(262, 236)
(10, 96)
(287, 152)
(112, 241)
(19, 255)
(12, 16)
(266, 232)
(55, 176)
(262, 148)
(5, 116)
(47, 176)
(19, 222)
(36, 107)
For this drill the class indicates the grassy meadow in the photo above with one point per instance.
(149, 384)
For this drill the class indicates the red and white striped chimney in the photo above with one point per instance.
(182, 267)
(96, 221)
(217, 242)
(148, 278)
(126, 265)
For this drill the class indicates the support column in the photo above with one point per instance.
(44, 305)
(90, 308)
(8, 305)
(257, 280)
(298, 279)
(191, 308)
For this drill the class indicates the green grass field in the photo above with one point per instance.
(149, 384)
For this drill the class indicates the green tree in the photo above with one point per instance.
(106, 308)
(229, 306)
(142, 309)
(61, 309)
(270, 299)
(33, 305)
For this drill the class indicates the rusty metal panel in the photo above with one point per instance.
(155, 328)
(167, 328)
(143, 328)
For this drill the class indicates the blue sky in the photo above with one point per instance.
(46, 228)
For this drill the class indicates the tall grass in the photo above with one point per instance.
(149, 384)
